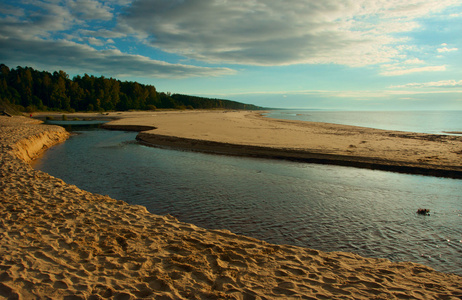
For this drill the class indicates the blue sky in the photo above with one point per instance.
(330, 54)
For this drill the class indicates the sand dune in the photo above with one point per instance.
(60, 242)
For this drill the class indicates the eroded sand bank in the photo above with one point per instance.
(60, 242)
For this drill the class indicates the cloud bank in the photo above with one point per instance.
(269, 33)
(97, 35)
(54, 35)
(72, 56)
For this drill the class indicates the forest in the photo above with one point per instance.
(29, 90)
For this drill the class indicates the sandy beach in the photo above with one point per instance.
(61, 242)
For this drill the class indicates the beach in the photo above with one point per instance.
(250, 134)
(61, 242)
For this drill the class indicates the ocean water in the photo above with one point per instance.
(435, 122)
(330, 208)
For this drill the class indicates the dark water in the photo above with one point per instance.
(330, 208)
(436, 122)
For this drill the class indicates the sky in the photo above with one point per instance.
(329, 54)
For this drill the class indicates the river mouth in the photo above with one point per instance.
(330, 208)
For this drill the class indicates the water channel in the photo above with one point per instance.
(330, 208)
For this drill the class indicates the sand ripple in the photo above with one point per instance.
(60, 242)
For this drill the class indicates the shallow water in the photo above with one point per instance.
(330, 208)
(436, 122)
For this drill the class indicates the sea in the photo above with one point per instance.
(434, 122)
(330, 208)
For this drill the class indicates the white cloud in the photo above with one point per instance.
(122, 2)
(349, 32)
(323, 93)
(414, 61)
(6, 9)
(46, 34)
(59, 54)
(40, 20)
(257, 32)
(91, 9)
(95, 41)
(404, 71)
(434, 84)
(446, 49)
(103, 33)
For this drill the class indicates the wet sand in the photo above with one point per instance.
(61, 242)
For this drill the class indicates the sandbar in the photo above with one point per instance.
(249, 133)
(60, 242)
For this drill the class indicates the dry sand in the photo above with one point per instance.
(60, 242)
(248, 133)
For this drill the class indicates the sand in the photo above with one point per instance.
(248, 133)
(60, 242)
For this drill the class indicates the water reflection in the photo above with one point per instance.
(330, 208)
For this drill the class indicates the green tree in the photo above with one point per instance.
(32, 89)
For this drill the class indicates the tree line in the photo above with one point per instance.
(27, 89)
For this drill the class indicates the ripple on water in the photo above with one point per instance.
(329, 208)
